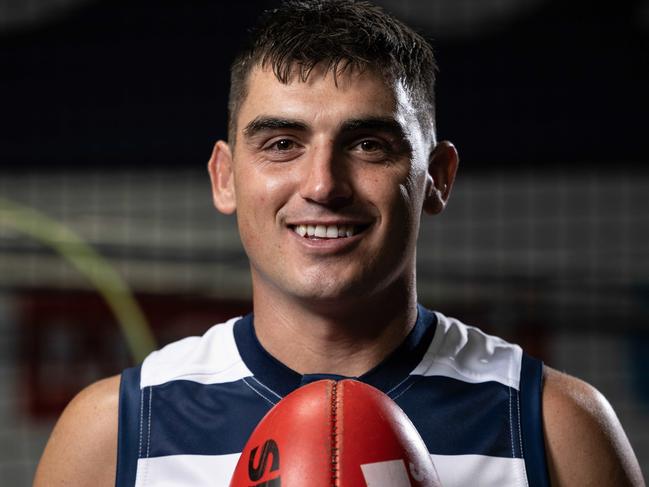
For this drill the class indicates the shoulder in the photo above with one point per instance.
(212, 357)
(468, 354)
(82, 449)
(585, 442)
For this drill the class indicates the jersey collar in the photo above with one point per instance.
(385, 376)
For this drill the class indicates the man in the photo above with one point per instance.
(331, 161)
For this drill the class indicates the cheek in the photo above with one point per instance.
(402, 210)
(261, 193)
(398, 192)
(276, 189)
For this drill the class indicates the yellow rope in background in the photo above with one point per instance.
(103, 277)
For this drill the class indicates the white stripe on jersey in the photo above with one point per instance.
(457, 351)
(480, 471)
(216, 471)
(465, 353)
(210, 359)
(194, 470)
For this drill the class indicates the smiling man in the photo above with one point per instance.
(331, 161)
(328, 178)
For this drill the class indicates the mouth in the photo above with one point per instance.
(314, 231)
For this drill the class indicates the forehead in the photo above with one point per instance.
(321, 99)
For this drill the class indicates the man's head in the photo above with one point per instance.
(335, 155)
(342, 35)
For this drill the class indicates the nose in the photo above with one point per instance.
(326, 178)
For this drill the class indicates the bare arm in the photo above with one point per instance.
(82, 450)
(585, 442)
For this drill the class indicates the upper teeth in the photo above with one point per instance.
(324, 231)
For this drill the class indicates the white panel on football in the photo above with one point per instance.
(392, 473)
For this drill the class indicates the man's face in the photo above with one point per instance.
(328, 183)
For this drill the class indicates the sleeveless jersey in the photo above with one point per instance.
(186, 413)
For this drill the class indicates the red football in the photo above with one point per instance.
(343, 434)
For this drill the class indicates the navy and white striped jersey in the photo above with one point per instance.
(186, 413)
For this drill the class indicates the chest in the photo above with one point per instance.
(194, 433)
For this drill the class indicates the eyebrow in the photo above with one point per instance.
(375, 124)
(262, 123)
(381, 124)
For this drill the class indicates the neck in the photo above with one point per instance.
(344, 337)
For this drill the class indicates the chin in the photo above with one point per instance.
(323, 293)
(332, 291)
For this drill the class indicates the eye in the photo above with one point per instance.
(281, 145)
(370, 145)
(371, 150)
(281, 149)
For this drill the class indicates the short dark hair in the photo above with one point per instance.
(344, 34)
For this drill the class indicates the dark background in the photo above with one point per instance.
(144, 83)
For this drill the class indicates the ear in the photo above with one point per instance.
(222, 177)
(442, 166)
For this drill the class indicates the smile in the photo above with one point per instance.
(327, 231)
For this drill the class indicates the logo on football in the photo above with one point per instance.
(335, 434)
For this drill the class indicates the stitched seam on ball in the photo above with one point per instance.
(334, 436)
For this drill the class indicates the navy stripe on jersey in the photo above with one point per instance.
(198, 419)
(488, 412)
(217, 419)
(532, 421)
(129, 426)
